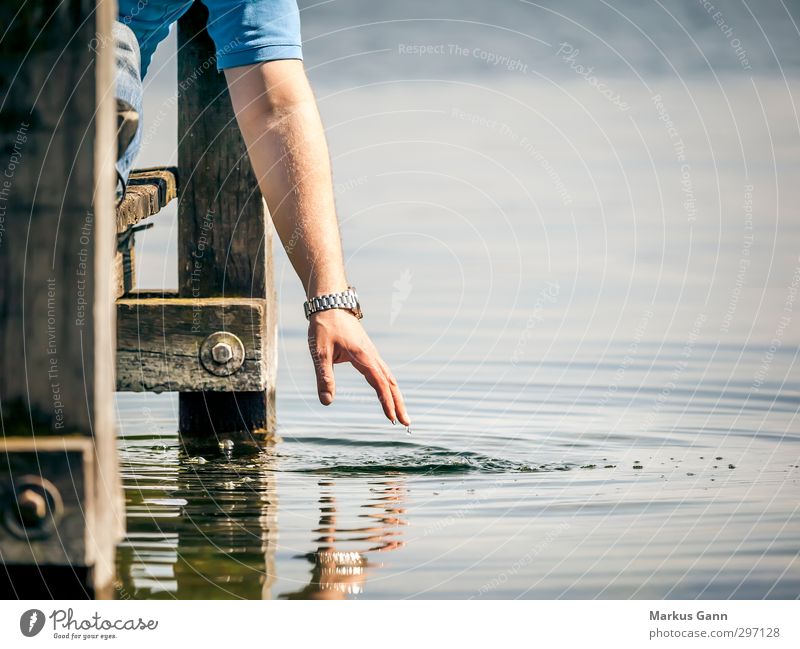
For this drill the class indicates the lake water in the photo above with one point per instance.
(589, 294)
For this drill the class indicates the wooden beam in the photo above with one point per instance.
(162, 345)
(148, 192)
(57, 152)
(225, 241)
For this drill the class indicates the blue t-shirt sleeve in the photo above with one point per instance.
(252, 31)
(244, 31)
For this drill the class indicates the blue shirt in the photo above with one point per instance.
(244, 31)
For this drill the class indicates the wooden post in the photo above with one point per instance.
(225, 242)
(61, 511)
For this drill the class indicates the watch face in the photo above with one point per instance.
(357, 309)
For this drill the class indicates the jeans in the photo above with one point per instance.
(129, 89)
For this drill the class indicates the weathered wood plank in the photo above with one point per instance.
(225, 241)
(124, 272)
(164, 179)
(109, 514)
(119, 276)
(160, 344)
(148, 192)
(57, 148)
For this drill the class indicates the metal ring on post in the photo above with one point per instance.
(222, 353)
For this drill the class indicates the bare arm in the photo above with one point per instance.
(280, 123)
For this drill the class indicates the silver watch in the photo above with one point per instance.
(345, 300)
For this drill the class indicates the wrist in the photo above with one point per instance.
(326, 285)
(329, 316)
(326, 289)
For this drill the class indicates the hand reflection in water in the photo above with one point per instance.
(337, 573)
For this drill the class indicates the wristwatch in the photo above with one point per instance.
(345, 300)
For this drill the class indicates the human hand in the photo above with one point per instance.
(336, 336)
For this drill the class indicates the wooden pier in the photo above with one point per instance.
(73, 325)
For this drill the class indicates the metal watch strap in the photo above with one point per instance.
(344, 300)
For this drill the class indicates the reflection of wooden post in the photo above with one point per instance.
(225, 244)
(60, 501)
(226, 548)
(223, 516)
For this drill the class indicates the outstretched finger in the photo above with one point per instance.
(323, 367)
(397, 396)
(373, 373)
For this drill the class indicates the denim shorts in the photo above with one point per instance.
(244, 32)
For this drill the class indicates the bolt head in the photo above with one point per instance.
(221, 353)
(32, 507)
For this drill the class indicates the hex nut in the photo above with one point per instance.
(221, 353)
(32, 507)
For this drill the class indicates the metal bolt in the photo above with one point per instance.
(32, 507)
(221, 353)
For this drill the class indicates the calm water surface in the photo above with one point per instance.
(592, 309)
